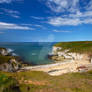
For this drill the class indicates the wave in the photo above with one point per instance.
(33, 53)
(10, 50)
(13, 54)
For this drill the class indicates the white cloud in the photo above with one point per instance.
(9, 1)
(12, 13)
(6, 26)
(5, 1)
(64, 31)
(72, 19)
(87, 21)
(63, 5)
(58, 21)
(38, 18)
(35, 25)
(79, 14)
(70, 12)
(39, 26)
(89, 6)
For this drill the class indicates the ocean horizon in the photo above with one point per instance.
(35, 53)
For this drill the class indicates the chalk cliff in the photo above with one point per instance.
(8, 62)
(58, 55)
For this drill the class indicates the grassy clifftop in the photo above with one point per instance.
(80, 46)
(8, 83)
(31, 81)
(2, 48)
(5, 59)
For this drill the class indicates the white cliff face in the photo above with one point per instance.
(70, 55)
(11, 66)
(78, 56)
(56, 49)
(3, 52)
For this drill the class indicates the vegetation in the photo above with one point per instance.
(4, 59)
(79, 47)
(8, 84)
(35, 81)
(2, 48)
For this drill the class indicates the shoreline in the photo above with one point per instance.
(76, 64)
(60, 68)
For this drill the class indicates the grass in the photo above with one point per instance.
(5, 59)
(36, 81)
(7, 83)
(79, 47)
(2, 48)
(72, 82)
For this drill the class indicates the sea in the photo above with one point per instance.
(35, 53)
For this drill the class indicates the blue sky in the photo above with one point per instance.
(45, 20)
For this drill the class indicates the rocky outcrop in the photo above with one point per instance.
(8, 63)
(11, 66)
(58, 55)
(3, 51)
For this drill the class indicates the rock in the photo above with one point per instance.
(9, 63)
(57, 51)
(11, 66)
(3, 51)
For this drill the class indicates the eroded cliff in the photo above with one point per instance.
(8, 62)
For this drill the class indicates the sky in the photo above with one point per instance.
(45, 20)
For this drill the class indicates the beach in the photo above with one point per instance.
(60, 68)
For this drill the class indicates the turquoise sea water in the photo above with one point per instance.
(31, 52)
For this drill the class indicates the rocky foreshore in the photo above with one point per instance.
(9, 63)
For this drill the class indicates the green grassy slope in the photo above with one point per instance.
(2, 48)
(4, 59)
(80, 47)
(42, 82)
(7, 83)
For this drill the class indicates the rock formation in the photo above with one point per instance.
(58, 55)
(8, 63)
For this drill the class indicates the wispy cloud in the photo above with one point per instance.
(12, 13)
(72, 19)
(39, 26)
(62, 5)
(69, 12)
(5, 1)
(6, 26)
(63, 31)
(9, 1)
(35, 25)
(79, 14)
(58, 21)
(38, 18)
(89, 6)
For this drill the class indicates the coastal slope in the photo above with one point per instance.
(68, 57)
(73, 75)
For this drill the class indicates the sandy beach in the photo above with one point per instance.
(60, 68)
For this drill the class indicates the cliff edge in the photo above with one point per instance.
(72, 51)
(8, 63)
